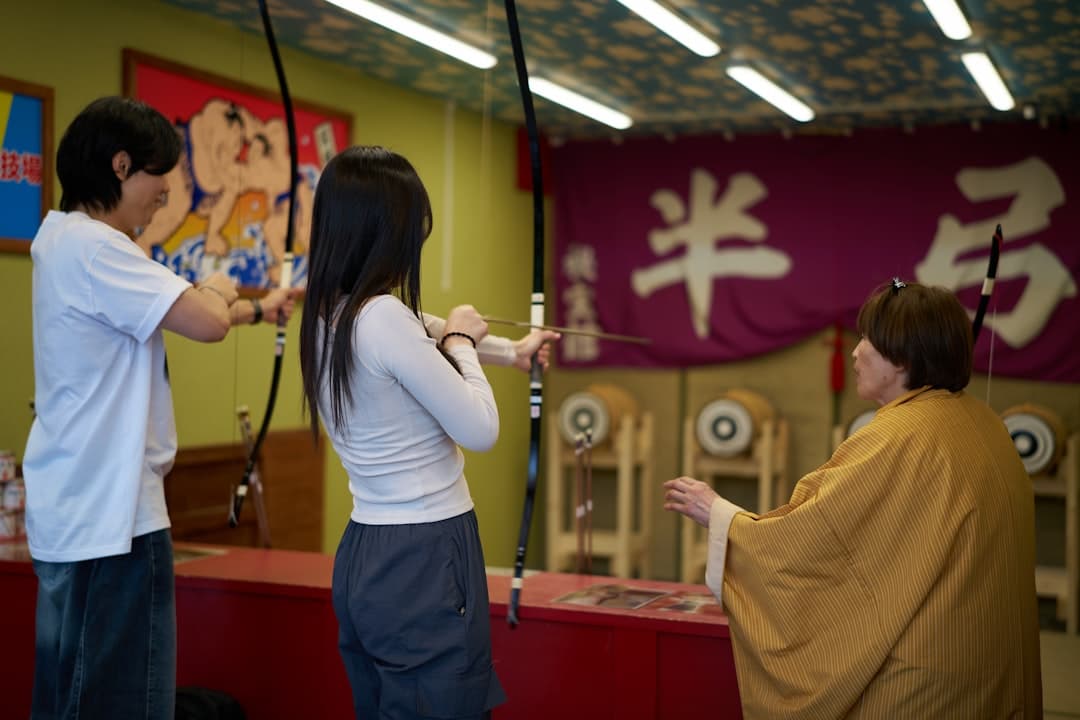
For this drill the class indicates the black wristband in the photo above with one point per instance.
(458, 334)
(257, 307)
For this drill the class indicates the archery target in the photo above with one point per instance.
(600, 407)
(1038, 434)
(725, 428)
(859, 422)
(581, 412)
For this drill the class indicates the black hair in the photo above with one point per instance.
(105, 127)
(370, 219)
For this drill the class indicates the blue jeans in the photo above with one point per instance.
(106, 636)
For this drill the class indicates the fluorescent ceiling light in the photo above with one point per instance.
(415, 31)
(991, 84)
(950, 18)
(579, 103)
(671, 24)
(770, 92)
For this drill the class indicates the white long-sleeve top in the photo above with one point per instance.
(410, 410)
(493, 350)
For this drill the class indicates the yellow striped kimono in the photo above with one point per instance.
(898, 582)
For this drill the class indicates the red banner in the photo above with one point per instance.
(724, 250)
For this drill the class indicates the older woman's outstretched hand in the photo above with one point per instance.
(691, 497)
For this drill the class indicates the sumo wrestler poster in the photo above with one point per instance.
(227, 209)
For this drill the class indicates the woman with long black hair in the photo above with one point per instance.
(409, 585)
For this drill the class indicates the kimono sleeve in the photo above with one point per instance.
(819, 590)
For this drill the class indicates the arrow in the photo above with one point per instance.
(571, 331)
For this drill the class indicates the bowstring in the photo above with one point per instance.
(990, 359)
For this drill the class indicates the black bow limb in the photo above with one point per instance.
(536, 316)
(988, 284)
(286, 267)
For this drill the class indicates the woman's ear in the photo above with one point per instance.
(121, 165)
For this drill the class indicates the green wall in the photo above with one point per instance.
(75, 48)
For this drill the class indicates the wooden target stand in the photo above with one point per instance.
(1063, 583)
(765, 463)
(628, 450)
(1053, 475)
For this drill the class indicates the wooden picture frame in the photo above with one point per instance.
(228, 196)
(26, 161)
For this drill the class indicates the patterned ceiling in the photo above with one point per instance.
(856, 62)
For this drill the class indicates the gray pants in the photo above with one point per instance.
(413, 624)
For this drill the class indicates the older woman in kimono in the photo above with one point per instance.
(898, 581)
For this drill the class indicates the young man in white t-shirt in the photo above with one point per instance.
(104, 436)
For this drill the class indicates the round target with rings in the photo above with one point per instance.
(583, 411)
(1034, 439)
(725, 428)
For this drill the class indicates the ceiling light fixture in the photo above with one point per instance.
(671, 24)
(950, 18)
(579, 103)
(415, 31)
(988, 79)
(770, 92)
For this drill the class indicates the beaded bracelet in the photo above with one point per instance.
(459, 334)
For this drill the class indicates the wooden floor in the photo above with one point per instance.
(1061, 673)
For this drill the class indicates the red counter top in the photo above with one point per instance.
(259, 624)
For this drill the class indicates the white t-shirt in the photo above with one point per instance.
(104, 435)
(410, 410)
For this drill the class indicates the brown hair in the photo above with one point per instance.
(922, 329)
